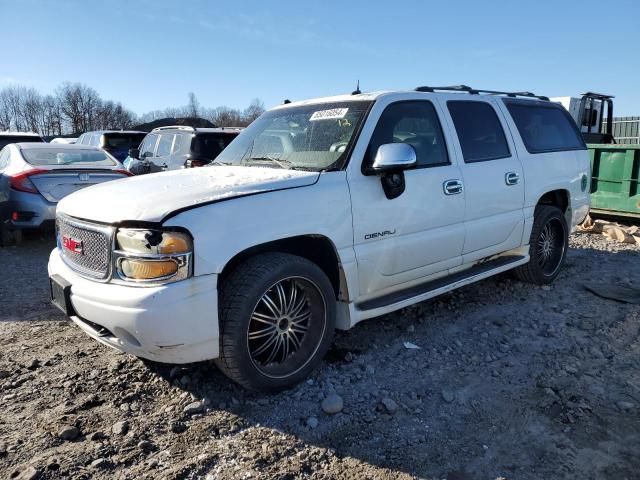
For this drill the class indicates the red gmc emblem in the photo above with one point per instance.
(72, 244)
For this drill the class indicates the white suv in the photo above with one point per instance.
(319, 215)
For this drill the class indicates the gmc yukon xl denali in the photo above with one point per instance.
(321, 214)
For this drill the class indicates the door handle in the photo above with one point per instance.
(511, 178)
(452, 187)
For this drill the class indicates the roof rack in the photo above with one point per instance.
(473, 91)
(175, 127)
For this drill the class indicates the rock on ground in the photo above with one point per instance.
(511, 380)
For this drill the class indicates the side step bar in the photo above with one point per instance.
(396, 300)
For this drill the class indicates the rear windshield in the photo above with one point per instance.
(42, 156)
(123, 140)
(210, 145)
(545, 127)
(7, 139)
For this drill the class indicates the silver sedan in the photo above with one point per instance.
(35, 176)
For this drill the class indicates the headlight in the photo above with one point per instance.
(152, 256)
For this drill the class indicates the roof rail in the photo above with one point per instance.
(175, 127)
(473, 91)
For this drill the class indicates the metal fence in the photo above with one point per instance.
(626, 130)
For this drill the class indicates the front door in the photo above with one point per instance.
(405, 240)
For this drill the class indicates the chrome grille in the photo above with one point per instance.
(93, 255)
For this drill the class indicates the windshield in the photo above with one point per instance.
(41, 156)
(7, 139)
(123, 140)
(311, 137)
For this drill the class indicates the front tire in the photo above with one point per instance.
(547, 246)
(277, 317)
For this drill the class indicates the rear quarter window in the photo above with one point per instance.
(545, 127)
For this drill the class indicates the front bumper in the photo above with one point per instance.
(174, 323)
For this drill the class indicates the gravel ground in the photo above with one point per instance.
(509, 381)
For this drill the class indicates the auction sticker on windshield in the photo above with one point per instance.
(329, 114)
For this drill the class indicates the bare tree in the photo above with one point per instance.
(253, 111)
(193, 107)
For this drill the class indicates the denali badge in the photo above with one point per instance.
(72, 244)
(369, 236)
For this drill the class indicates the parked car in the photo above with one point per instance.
(14, 137)
(64, 140)
(116, 142)
(172, 148)
(35, 176)
(321, 214)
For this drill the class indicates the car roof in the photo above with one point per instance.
(19, 134)
(114, 131)
(192, 130)
(399, 94)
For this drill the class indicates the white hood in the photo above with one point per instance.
(151, 197)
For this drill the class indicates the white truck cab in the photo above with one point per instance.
(321, 214)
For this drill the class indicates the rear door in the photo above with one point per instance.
(492, 175)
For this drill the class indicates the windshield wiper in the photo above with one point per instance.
(266, 158)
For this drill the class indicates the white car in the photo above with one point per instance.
(321, 214)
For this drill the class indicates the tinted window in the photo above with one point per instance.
(164, 145)
(7, 139)
(210, 145)
(479, 131)
(148, 145)
(53, 156)
(545, 127)
(415, 123)
(123, 141)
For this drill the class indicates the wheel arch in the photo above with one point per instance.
(560, 198)
(318, 249)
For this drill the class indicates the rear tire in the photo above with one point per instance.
(277, 317)
(547, 246)
(9, 237)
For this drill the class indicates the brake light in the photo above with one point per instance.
(23, 183)
(124, 172)
(196, 163)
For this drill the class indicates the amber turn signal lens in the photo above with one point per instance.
(174, 243)
(138, 269)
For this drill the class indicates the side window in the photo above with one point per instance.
(415, 123)
(164, 145)
(4, 158)
(148, 145)
(95, 140)
(177, 144)
(545, 127)
(479, 131)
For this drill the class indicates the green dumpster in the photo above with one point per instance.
(614, 179)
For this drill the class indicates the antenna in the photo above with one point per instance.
(357, 90)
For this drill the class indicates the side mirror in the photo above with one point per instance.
(134, 153)
(390, 162)
(394, 157)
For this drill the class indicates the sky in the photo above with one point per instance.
(150, 54)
